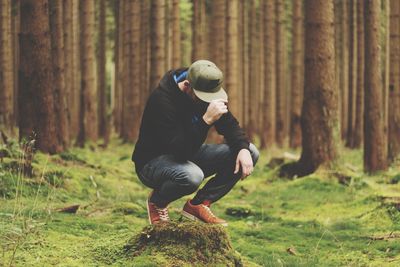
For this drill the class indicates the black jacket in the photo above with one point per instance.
(172, 123)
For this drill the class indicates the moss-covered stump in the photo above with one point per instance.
(183, 244)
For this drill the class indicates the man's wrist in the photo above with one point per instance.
(207, 120)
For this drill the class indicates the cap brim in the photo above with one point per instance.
(208, 97)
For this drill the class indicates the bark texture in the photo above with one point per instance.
(394, 87)
(37, 118)
(281, 74)
(319, 122)
(88, 112)
(374, 142)
(6, 68)
(268, 131)
(158, 57)
(57, 48)
(297, 74)
(359, 123)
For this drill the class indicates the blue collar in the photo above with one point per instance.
(181, 77)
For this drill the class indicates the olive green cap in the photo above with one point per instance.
(206, 80)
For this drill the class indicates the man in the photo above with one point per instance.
(170, 156)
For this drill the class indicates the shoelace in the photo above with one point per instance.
(163, 213)
(209, 211)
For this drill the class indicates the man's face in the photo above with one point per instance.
(191, 94)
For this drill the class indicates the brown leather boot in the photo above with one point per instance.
(156, 214)
(202, 213)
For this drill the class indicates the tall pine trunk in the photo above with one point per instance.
(359, 123)
(131, 112)
(217, 43)
(176, 35)
(253, 69)
(351, 115)
(199, 30)
(232, 59)
(145, 51)
(268, 130)
(319, 112)
(374, 142)
(344, 79)
(16, 21)
(297, 75)
(57, 52)
(88, 112)
(119, 56)
(35, 100)
(158, 56)
(281, 74)
(67, 9)
(75, 87)
(394, 87)
(6, 68)
(102, 86)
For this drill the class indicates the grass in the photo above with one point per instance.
(313, 221)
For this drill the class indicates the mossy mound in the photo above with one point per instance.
(183, 244)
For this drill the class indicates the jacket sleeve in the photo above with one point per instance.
(236, 138)
(180, 141)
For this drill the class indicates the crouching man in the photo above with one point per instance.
(170, 156)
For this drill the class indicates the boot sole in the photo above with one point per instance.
(194, 218)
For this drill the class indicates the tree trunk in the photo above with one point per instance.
(145, 49)
(75, 83)
(338, 53)
(344, 86)
(168, 35)
(89, 117)
(232, 59)
(119, 57)
(297, 74)
(75, 93)
(199, 30)
(35, 100)
(394, 99)
(176, 35)
(67, 7)
(6, 68)
(385, 56)
(281, 74)
(57, 52)
(352, 73)
(217, 44)
(16, 21)
(319, 112)
(102, 89)
(131, 99)
(158, 57)
(359, 123)
(268, 131)
(374, 156)
(253, 70)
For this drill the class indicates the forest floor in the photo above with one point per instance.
(336, 218)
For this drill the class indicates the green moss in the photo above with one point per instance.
(327, 223)
(185, 242)
(70, 156)
(128, 208)
(395, 179)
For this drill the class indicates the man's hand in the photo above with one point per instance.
(215, 110)
(244, 162)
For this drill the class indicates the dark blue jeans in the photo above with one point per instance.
(172, 179)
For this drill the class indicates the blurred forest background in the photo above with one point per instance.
(76, 71)
(313, 82)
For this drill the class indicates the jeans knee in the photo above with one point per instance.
(255, 154)
(191, 179)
